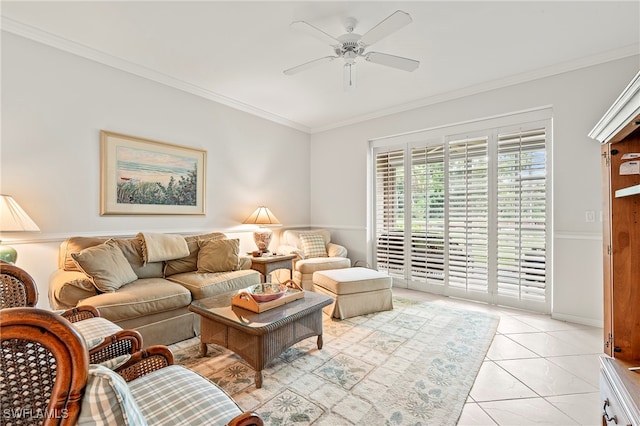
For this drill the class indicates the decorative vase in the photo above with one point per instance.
(262, 239)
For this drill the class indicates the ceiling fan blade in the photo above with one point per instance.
(308, 65)
(309, 29)
(389, 25)
(392, 61)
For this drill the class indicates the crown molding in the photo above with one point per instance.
(612, 55)
(40, 36)
(623, 110)
(87, 52)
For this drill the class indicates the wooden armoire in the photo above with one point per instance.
(619, 133)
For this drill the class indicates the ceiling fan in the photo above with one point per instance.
(350, 46)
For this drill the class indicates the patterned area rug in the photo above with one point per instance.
(414, 365)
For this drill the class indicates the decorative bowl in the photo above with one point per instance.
(267, 292)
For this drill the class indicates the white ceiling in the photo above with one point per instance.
(235, 52)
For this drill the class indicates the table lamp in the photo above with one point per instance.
(262, 237)
(13, 219)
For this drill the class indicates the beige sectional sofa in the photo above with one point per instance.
(155, 302)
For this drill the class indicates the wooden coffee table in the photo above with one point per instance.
(259, 338)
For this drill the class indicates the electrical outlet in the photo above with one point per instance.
(589, 216)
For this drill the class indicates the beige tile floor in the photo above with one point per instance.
(538, 371)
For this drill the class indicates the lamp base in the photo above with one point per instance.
(8, 254)
(262, 239)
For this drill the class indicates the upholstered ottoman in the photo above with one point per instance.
(357, 291)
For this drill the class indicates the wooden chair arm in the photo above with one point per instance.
(146, 361)
(246, 419)
(80, 313)
(44, 367)
(124, 342)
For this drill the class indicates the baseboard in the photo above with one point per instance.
(578, 320)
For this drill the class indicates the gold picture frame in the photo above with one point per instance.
(146, 177)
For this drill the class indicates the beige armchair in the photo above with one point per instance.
(314, 251)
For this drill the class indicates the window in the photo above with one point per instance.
(427, 214)
(465, 214)
(390, 211)
(521, 221)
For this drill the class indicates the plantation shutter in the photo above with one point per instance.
(468, 227)
(521, 194)
(463, 210)
(390, 212)
(427, 214)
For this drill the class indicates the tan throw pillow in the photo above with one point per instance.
(190, 263)
(313, 245)
(75, 245)
(106, 265)
(218, 255)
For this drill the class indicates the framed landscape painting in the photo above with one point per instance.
(142, 176)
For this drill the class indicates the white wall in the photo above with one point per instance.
(54, 105)
(578, 98)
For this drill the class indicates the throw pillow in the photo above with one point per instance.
(75, 245)
(218, 255)
(190, 262)
(108, 401)
(313, 245)
(106, 265)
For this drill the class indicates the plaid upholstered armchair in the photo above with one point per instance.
(47, 379)
(104, 339)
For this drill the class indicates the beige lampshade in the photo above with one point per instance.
(262, 216)
(13, 218)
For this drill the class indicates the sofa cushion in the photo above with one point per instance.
(132, 250)
(309, 266)
(108, 400)
(106, 265)
(175, 395)
(313, 245)
(190, 262)
(213, 283)
(142, 297)
(218, 255)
